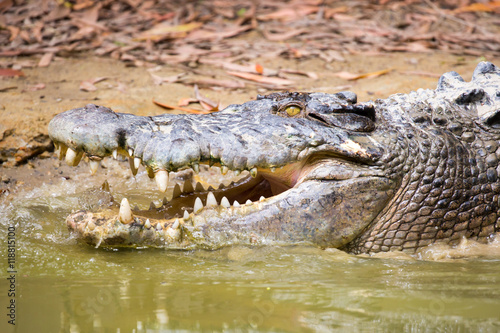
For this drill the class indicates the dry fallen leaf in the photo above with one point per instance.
(312, 75)
(175, 107)
(46, 59)
(186, 101)
(289, 13)
(10, 72)
(205, 102)
(163, 30)
(479, 7)
(263, 79)
(89, 85)
(350, 76)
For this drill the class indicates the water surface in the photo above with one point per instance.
(65, 286)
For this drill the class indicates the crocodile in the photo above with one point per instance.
(313, 169)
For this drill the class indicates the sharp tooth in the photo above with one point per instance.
(236, 204)
(198, 206)
(186, 215)
(152, 206)
(159, 227)
(173, 233)
(125, 214)
(137, 162)
(224, 169)
(132, 166)
(237, 172)
(115, 154)
(248, 202)
(56, 145)
(62, 151)
(91, 225)
(151, 173)
(225, 203)
(273, 169)
(211, 201)
(196, 168)
(176, 224)
(262, 198)
(210, 188)
(253, 172)
(94, 165)
(161, 178)
(199, 187)
(105, 186)
(147, 225)
(177, 191)
(165, 201)
(136, 208)
(130, 152)
(188, 187)
(73, 157)
(222, 186)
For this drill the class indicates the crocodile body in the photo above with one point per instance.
(321, 169)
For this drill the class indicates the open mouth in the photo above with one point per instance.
(192, 203)
(190, 200)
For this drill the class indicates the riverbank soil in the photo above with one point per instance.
(201, 56)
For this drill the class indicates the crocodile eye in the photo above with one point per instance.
(292, 110)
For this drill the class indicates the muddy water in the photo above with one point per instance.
(64, 286)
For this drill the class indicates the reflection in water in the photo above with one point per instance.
(65, 286)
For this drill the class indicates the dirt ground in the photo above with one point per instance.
(35, 87)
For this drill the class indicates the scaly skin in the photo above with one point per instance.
(394, 174)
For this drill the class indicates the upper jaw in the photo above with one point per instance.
(233, 139)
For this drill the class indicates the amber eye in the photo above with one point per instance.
(292, 110)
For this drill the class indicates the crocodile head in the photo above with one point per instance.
(317, 168)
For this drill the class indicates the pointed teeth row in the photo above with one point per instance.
(73, 158)
(212, 202)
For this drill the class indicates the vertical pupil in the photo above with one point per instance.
(292, 110)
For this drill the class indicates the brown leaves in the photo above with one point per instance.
(144, 32)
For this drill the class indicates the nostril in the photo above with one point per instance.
(470, 96)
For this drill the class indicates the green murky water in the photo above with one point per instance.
(64, 286)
